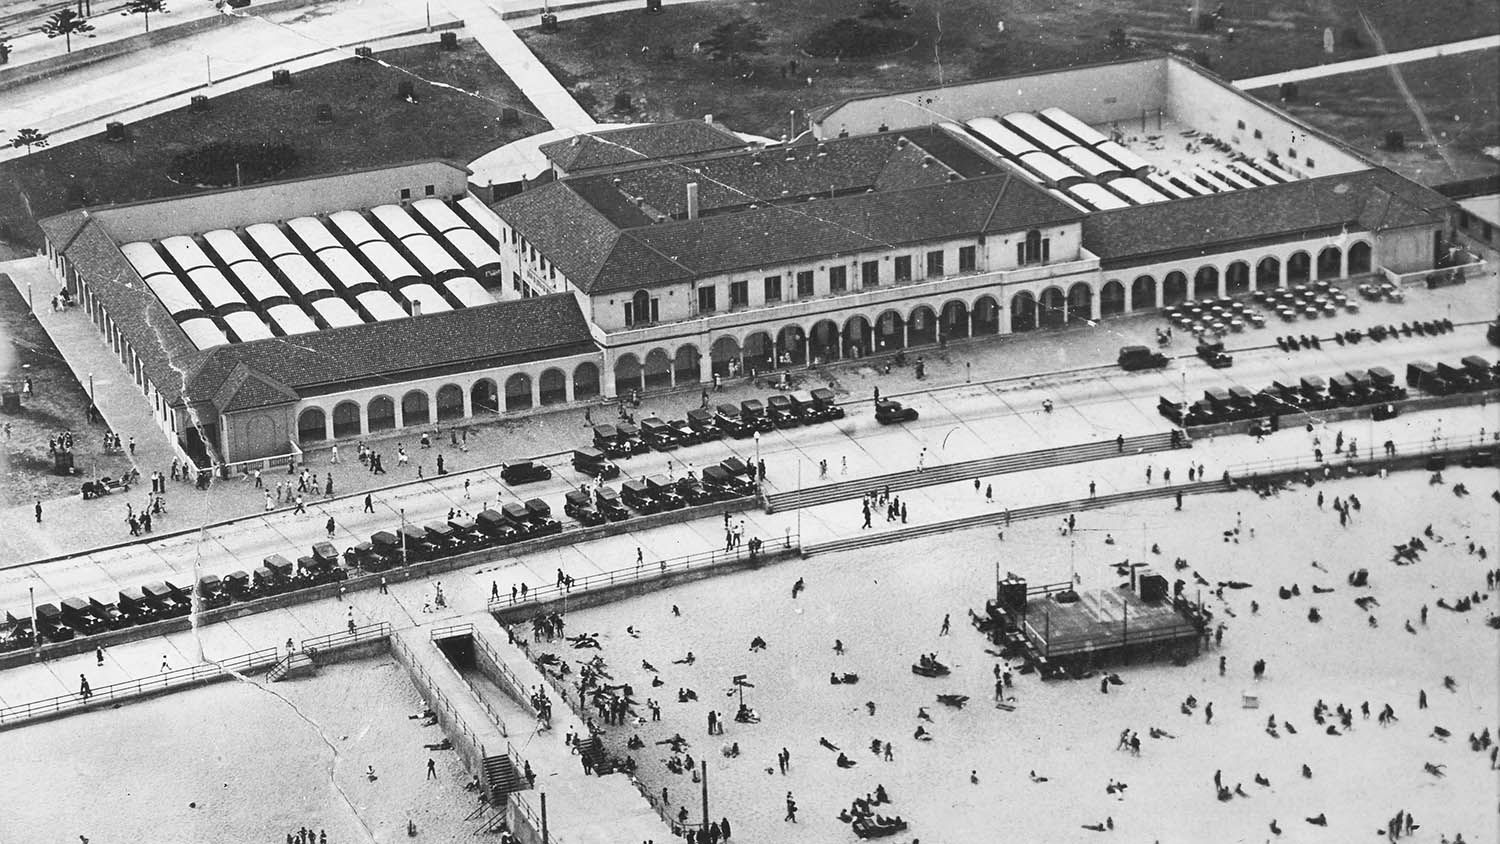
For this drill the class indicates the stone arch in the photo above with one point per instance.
(858, 338)
(890, 331)
(1174, 289)
(1112, 298)
(758, 351)
(1330, 262)
(1022, 311)
(953, 323)
(823, 342)
(552, 386)
(986, 316)
(922, 326)
(1359, 258)
(1052, 308)
(685, 365)
(658, 370)
(586, 380)
(484, 396)
(416, 409)
(1080, 301)
(382, 413)
(518, 392)
(724, 356)
(1143, 293)
(1268, 273)
(1206, 283)
(450, 402)
(791, 346)
(312, 424)
(1236, 278)
(346, 420)
(1298, 268)
(628, 375)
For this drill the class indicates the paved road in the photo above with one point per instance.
(1488, 42)
(957, 424)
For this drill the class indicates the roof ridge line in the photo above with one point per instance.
(995, 205)
(631, 233)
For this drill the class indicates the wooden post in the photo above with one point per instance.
(705, 793)
(545, 839)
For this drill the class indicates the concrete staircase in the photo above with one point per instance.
(966, 470)
(1055, 509)
(502, 778)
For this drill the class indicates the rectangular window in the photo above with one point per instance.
(1257, 134)
(406, 193)
(934, 264)
(1292, 154)
(1310, 163)
(739, 294)
(629, 314)
(429, 190)
(966, 259)
(773, 288)
(1240, 123)
(838, 279)
(903, 268)
(869, 274)
(707, 297)
(805, 284)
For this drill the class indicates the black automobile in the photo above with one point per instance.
(1457, 377)
(519, 518)
(736, 467)
(664, 490)
(702, 420)
(607, 499)
(524, 472)
(1314, 392)
(539, 513)
(444, 539)
(638, 496)
(780, 411)
(658, 434)
(1133, 358)
(496, 528)
(594, 463)
(418, 547)
(386, 546)
(693, 492)
(578, 506)
(1214, 355)
(890, 411)
(753, 413)
(362, 556)
(1347, 391)
(686, 434)
(728, 420)
(136, 607)
(468, 534)
(733, 486)
(630, 438)
(607, 440)
(50, 624)
(81, 616)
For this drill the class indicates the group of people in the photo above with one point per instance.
(307, 836)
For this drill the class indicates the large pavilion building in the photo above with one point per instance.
(265, 319)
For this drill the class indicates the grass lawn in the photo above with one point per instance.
(371, 126)
(1457, 96)
(956, 40)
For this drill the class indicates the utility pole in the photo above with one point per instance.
(705, 794)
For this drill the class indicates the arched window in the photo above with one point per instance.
(641, 308)
(1035, 249)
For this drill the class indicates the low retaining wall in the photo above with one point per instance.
(453, 726)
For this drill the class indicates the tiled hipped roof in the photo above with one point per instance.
(282, 369)
(626, 229)
(613, 147)
(1370, 200)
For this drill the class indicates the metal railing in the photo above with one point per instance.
(437, 701)
(643, 572)
(1373, 457)
(165, 681)
(377, 632)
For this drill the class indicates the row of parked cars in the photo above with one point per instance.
(1234, 403)
(704, 424)
(1441, 379)
(164, 599)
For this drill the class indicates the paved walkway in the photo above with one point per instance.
(1488, 42)
(483, 21)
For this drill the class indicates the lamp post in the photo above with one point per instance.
(403, 536)
(759, 480)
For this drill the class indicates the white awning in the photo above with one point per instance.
(228, 246)
(270, 240)
(291, 319)
(396, 221)
(469, 293)
(186, 252)
(204, 333)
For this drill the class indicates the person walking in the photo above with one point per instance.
(791, 805)
(329, 527)
(431, 768)
(99, 654)
(300, 507)
(84, 691)
(947, 624)
(333, 456)
(369, 504)
(39, 513)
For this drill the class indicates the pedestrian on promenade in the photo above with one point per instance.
(369, 504)
(333, 455)
(99, 654)
(329, 527)
(39, 511)
(300, 507)
(431, 768)
(84, 691)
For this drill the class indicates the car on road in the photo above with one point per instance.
(1134, 358)
(524, 472)
(890, 411)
